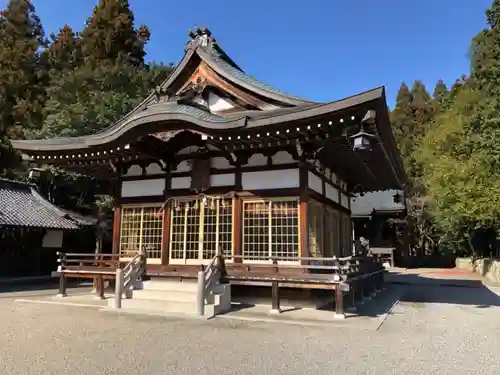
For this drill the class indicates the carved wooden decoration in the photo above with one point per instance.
(200, 175)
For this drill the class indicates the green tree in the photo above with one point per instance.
(440, 93)
(110, 34)
(65, 52)
(22, 72)
(86, 100)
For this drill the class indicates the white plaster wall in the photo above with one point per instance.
(53, 239)
(377, 200)
(216, 103)
(344, 200)
(331, 193)
(227, 179)
(154, 168)
(184, 166)
(143, 188)
(256, 160)
(180, 183)
(285, 178)
(315, 183)
(220, 163)
(134, 170)
(283, 157)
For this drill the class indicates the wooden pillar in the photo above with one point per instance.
(116, 229)
(237, 230)
(165, 242)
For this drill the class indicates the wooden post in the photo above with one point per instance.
(275, 309)
(100, 287)
(119, 288)
(62, 285)
(200, 302)
(339, 303)
(62, 278)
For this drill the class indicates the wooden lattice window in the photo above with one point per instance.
(141, 228)
(345, 234)
(270, 228)
(315, 227)
(199, 228)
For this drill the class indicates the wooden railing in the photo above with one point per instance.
(208, 277)
(356, 276)
(97, 266)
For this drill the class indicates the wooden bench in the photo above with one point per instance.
(365, 274)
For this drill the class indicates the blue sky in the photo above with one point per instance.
(319, 49)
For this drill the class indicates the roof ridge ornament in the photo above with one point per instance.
(199, 36)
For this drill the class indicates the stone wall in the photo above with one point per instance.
(486, 267)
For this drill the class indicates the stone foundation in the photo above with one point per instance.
(486, 267)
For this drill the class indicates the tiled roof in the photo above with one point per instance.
(22, 205)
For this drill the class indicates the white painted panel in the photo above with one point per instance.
(53, 239)
(283, 157)
(143, 188)
(344, 200)
(134, 170)
(184, 166)
(216, 103)
(284, 178)
(378, 200)
(331, 193)
(226, 179)
(180, 183)
(315, 183)
(220, 163)
(153, 168)
(257, 159)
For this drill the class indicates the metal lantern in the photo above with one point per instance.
(362, 141)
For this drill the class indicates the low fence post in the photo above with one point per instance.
(339, 302)
(200, 302)
(62, 278)
(118, 288)
(275, 309)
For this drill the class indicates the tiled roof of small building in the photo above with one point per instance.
(22, 205)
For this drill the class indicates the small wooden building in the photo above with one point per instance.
(214, 159)
(32, 230)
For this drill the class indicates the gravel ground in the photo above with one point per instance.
(435, 330)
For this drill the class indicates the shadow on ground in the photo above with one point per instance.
(36, 288)
(460, 289)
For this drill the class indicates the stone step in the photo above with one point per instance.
(165, 295)
(161, 307)
(170, 285)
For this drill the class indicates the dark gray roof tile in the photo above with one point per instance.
(22, 205)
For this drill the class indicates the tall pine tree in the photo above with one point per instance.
(65, 52)
(110, 34)
(22, 75)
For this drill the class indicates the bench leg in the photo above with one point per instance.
(100, 287)
(62, 286)
(339, 303)
(275, 309)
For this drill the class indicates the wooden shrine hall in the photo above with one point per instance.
(214, 160)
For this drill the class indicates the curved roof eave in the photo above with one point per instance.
(154, 114)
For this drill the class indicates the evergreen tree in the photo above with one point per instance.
(65, 50)
(110, 34)
(22, 75)
(440, 92)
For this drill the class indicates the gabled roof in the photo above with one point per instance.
(204, 46)
(22, 205)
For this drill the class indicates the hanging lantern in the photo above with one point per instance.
(212, 204)
(223, 203)
(186, 206)
(362, 141)
(204, 200)
(196, 205)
